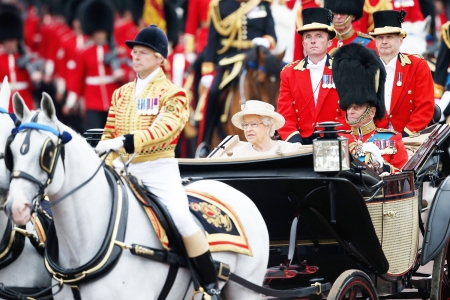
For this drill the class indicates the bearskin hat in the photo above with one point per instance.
(359, 77)
(11, 25)
(96, 15)
(71, 11)
(346, 7)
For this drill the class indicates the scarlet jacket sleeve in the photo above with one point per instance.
(169, 123)
(424, 101)
(285, 107)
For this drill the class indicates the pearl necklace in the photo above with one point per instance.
(268, 147)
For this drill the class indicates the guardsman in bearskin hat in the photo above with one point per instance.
(14, 59)
(236, 26)
(361, 94)
(409, 91)
(96, 75)
(346, 12)
(307, 93)
(153, 112)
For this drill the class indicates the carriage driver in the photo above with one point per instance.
(361, 94)
(146, 117)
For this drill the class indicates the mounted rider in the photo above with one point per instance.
(409, 90)
(344, 14)
(146, 117)
(236, 26)
(361, 94)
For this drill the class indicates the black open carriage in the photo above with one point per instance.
(351, 228)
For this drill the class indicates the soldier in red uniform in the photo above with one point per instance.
(344, 14)
(197, 26)
(307, 94)
(14, 59)
(381, 149)
(298, 41)
(409, 91)
(94, 77)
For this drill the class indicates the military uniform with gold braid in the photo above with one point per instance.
(381, 149)
(234, 24)
(441, 75)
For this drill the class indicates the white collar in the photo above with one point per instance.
(392, 63)
(320, 63)
(147, 79)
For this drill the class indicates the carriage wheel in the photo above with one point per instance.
(352, 284)
(440, 281)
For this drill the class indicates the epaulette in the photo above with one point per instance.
(445, 34)
(364, 35)
(290, 64)
(386, 130)
(414, 54)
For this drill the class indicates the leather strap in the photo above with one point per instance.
(173, 270)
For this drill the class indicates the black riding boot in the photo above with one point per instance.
(204, 266)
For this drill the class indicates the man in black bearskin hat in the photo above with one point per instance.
(152, 113)
(361, 94)
(345, 12)
(15, 62)
(96, 75)
(307, 94)
(409, 90)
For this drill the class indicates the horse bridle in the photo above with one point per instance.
(3, 111)
(49, 155)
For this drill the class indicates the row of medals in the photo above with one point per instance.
(328, 82)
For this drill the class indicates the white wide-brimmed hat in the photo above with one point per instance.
(256, 107)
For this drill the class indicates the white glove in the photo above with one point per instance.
(207, 80)
(190, 57)
(260, 41)
(375, 153)
(105, 146)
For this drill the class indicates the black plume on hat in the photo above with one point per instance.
(11, 25)
(152, 37)
(96, 15)
(346, 7)
(71, 11)
(355, 72)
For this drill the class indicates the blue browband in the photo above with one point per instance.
(65, 136)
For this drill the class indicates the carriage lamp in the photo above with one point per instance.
(330, 151)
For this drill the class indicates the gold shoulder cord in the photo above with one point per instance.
(445, 34)
(231, 25)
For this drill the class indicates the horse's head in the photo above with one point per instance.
(263, 77)
(6, 126)
(415, 41)
(33, 157)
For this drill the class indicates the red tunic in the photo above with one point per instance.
(296, 102)
(31, 28)
(197, 23)
(92, 79)
(356, 37)
(412, 103)
(70, 46)
(397, 160)
(19, 80)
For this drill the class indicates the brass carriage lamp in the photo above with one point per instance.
(330, 151)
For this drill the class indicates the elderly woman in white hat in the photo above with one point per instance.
(259, 122)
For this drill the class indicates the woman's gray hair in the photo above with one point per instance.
(268, 121)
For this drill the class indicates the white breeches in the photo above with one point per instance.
(162, 178)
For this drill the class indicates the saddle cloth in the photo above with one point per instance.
(224, 231)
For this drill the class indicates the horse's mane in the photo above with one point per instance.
(271, 64)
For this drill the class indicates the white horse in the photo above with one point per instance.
(415, 41)
(28, 269)
(81, 219)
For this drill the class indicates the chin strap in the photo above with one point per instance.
(362, 117)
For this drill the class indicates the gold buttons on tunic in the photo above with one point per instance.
(298, 119)
(390, 116)
(293, 102)
(409, 92)
(296, 110)
(410, 101)
(337, 110)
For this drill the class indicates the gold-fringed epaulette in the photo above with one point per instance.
(404, 59)
(300, 65)
(386, 130)
(445, 34)
(364, 35)
(290, 64)
(438, 90)
(330, 62)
